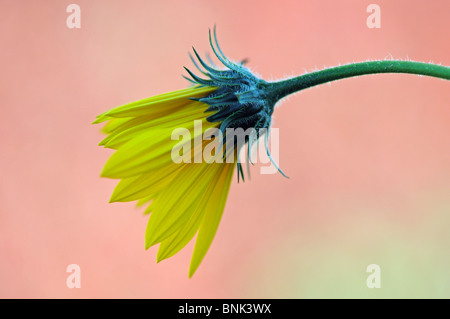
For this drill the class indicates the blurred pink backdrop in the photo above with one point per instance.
(368, 158)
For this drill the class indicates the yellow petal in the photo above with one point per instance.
(181, 238)
(211, 219)
(159, 105)
(139, 125)
(172, 208)
(147, 151)
(145, 185)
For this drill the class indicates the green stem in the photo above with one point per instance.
(283, 88)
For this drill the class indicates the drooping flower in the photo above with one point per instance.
(185, 197)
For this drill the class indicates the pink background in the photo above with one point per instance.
(368, 158)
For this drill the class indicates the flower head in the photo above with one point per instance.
(184, 198)
(241, 101)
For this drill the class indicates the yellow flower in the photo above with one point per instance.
(184, 198)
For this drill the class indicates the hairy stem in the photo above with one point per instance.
(283, 88)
